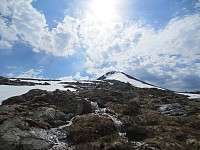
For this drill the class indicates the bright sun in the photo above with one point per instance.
(104, 10)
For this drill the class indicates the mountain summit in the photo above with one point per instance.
(121, 76)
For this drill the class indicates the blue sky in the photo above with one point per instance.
(157, 41)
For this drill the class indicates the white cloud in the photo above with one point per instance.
(7, 33)
(31, 73)
(69, 78)
(197, 4)
(77, 76)
(10, 75)
(5, 45)
(84, 78)
(36, 50)
(11, 67)
(61, 40)
(21, 22)
(18, 72)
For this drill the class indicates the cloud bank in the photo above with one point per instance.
(20, 22)
(19, 73)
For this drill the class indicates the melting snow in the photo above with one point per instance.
(69, 123)
(123, 78)
(7, 91)
(191, 96)
(53, 136)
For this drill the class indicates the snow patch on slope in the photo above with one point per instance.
(123, 78)
(191, 96)
(7, 91)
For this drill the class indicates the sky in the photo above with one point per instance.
(157, 41)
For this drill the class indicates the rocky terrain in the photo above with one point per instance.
(18, 82)
(99, 115)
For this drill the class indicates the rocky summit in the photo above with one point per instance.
(98, 115)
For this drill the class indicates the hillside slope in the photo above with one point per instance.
(97, 115)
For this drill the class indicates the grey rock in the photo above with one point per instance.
(198, 99)
(116, 93)
(10, 134)
(129, 95)
(5, 109)
(132, 98)
(194, 103)
(62, 116)
(34, 144)
(9, 139)
(10, 123)
(155, 104)
(12, 137)
(172, 110)
(46, 83)
(45, 113)
(50, 114)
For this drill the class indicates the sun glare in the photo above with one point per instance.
(104, 10)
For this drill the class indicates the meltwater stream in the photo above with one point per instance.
(111, 115)
(57, 136)
(54, 136)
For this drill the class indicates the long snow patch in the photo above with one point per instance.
(7, 91)
(121, 77)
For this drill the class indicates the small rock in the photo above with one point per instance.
(46, 83)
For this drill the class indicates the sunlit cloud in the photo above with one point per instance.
(18, 73)
(103, 10)
(30, 27)
(77, 76)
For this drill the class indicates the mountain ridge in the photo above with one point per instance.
(111, 73)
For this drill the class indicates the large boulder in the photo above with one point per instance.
(12, 137)
(9, 134)
(49, 114)
(172, 110)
